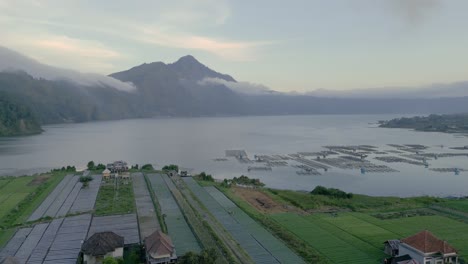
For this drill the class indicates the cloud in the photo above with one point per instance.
(239, 87)
(13, 61)
(231, 50)
(413, 11)
(161, 23)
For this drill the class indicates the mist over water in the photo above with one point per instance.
(194, 142)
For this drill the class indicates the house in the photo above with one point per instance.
(159, 249)
(106, 174)
(101, 245)
(391, 247)
(125, 176)
(117, 166)
(425, 248)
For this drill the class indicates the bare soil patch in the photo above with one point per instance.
(38, 180)
(261, 201)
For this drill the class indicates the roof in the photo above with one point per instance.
(393, 243)
(10, 260)
(102, 243)
(106, 171)
(158, 244)
(426, 242)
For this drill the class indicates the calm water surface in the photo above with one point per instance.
(195, 142)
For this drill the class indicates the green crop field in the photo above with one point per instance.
(460, 205)
(359, 237)
(13, 191)
(115, 198)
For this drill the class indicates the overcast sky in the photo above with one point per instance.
(300, 45)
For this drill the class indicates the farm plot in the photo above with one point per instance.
(15, 243)
(13, 191)
(180, 232)
(328, 244)
(280, 251)
(454, 232)
(40, 251)
(123, 225)
(336, 237)
(52, 199)
(115, 198)
(239, 232)
(67, 242)
(148, 222)
(87, 196)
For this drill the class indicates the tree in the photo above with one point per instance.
(91, 165)
(147, 167)
(170, 167)
(110, 260)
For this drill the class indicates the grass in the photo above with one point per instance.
(459, 205)
(6, 235)
(115, 198)
(306, 201)
(20, 196)
(361, 236)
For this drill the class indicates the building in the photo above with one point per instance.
(102, 245)
(106, 174)
(117, 166)
(125, 176)
(391, 247)
(425, 248)
(159, 249)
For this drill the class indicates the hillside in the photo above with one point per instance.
(16, 119)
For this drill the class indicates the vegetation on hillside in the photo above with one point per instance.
(16, 119)
(455, 123)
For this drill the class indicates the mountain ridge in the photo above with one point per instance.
(186, 88)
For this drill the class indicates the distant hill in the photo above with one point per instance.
(183, 88)
(455, 123)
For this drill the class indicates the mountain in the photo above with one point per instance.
(176, 89)
(183, 88)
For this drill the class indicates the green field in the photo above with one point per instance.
(460, 205)
(20, 196)
(359, 237)
(114, 198)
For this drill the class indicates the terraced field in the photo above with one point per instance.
(358, 237)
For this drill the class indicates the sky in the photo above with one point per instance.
(297, 45)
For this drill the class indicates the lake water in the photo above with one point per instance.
(194, 143)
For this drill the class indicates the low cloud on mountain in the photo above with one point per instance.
(11, 61)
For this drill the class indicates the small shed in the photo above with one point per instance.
(102, 245)
(159, 248)
(391, 247)
(106, 174)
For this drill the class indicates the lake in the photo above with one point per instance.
(194, 142)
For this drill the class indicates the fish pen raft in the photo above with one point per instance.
(259, 168)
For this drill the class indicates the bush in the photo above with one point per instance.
(206, 256)
(147, 167)
(244, 180)
(84, 179)
(205, 177)
(332, 192)
(170, 168)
